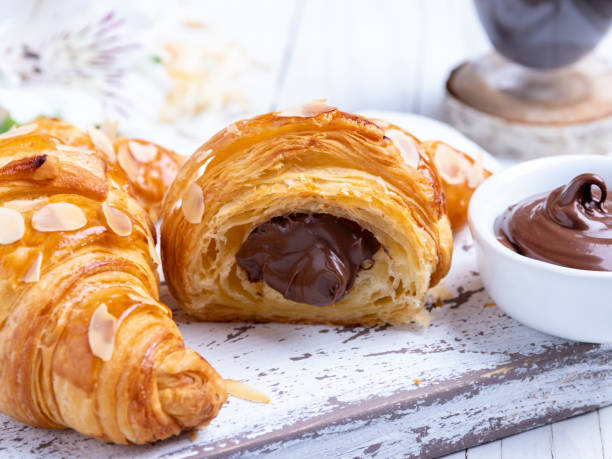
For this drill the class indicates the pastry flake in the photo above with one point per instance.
(245, 392)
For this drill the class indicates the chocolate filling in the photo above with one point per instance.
(571, 226)
(308, 258)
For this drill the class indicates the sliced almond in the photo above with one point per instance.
(102, 328)
(193, 204)
(101, 141)
(406, 145)
(33, 272)
(476, 173)
(109, 128)
(153, 253)
(12, 226)
(17, 131)
(202, 168)
(307, 110)
(117, 220)
(245, 392)
(451, 164)
(127, 162)
(59, 216)
(233, 129)
(143, 153)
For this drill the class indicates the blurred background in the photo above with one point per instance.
(175, 72)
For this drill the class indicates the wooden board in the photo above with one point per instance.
(481, 376)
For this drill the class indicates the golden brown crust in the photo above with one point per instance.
(329, 161)
(149, 176)
(60, 288)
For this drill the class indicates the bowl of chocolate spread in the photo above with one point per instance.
(543, 237)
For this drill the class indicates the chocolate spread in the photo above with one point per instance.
(571, 226)
(308, 258)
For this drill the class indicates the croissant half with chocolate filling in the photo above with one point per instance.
(309, 215)
(84, 341)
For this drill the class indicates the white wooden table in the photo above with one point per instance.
(389, 55)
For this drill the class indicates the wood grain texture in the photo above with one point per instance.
(482, 376)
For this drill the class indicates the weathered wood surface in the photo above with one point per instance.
(482, 376)
(400, 61)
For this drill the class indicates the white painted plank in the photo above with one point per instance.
(533, 444)
(577, 438)
(490, 450)
(605, 427)
(357, 53)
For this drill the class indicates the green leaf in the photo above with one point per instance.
(7, 123)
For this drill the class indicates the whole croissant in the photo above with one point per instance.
(84, 341)
(312, 215)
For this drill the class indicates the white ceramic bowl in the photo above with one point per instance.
(566, 302)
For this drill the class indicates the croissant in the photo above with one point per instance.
(308, 215)
(84, 341)
(150, 168)
(460, 176)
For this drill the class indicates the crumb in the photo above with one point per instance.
(439, 293)
(490, 305)
(417, 381)
(193, 435)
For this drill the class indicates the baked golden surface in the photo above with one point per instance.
(310, 159)
(84, 341)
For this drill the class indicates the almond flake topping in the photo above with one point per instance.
(451, 164)
(117, 220)
(12, 227)
(101, 141)
(307, 110)
(59, 216)
(245, 392)
(109, 128)
(202, 168)
(406, 146)
(17, 131)
(153, 253)
(144, 153)
(127, 162)
(193, 204)
(233, 129)
(102, 328)
(33, 272)
(476, 174)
